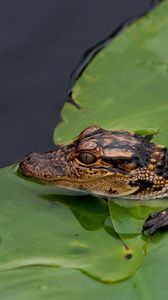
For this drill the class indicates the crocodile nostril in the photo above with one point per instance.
(27, 164)
(30, 159)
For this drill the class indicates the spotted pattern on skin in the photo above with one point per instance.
(126, 165)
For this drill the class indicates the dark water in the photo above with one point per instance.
(41, 44)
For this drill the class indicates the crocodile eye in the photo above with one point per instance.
(87, 158)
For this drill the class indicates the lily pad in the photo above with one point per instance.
(129, 218)
(125, 85)
(40, 233)
(65, 246)
(36, 229)
(39, 282)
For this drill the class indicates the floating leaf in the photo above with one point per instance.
(55, 246)
(129, 218)
(36, 229)
(125, 85)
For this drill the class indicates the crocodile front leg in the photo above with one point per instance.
(156, 221)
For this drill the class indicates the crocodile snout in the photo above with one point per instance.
(47, 166)
(29, 165)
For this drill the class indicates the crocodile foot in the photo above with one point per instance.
(156, 221)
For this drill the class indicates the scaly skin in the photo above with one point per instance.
(106, 163)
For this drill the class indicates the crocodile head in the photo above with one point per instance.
(103, 162)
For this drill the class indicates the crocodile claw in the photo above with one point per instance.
(156, 221)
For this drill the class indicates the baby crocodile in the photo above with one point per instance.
(107, 163)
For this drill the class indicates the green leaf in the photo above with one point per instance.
(39, 282)
(56, 246)
(128, 216)
(37, 229)
(125, 85)
(147, 131)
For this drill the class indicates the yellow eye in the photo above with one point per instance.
(87, 158)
